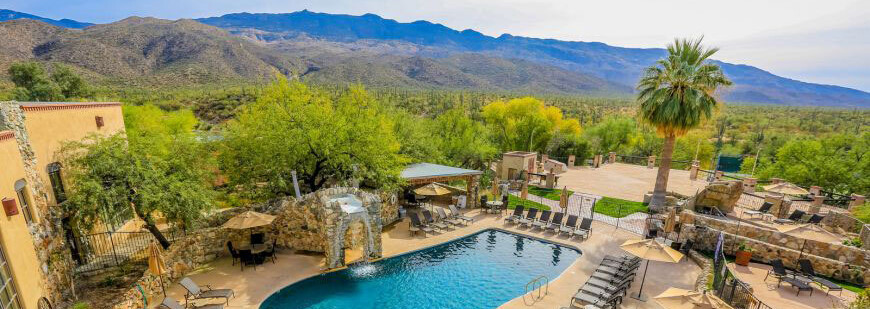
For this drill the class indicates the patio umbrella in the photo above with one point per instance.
(650, 250)
(248, 219)
(786, 188)
(674, 298)
(671, 221)
(432, 189)
(156, 265)
(563, 199)
(494, 187)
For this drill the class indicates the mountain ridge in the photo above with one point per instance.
(6, 15)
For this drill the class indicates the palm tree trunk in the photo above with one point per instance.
(661, 188)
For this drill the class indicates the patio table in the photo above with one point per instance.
(494, 205)
(256, 249)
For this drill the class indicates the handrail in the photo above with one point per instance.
(536, 285)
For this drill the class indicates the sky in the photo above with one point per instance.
(820, 41)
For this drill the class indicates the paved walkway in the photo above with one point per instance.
(625, 181)
(254, 286)
(786, 296)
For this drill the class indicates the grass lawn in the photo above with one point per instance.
(515, 200)
(550, 194)
(618, 208)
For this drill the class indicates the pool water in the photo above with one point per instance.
(483, 270)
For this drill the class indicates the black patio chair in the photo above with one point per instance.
(687, 246)
(815, 219)
(794, 217)
(428, 219)
(270, 252)
(233, 253)
(810, 273)
(195, 292)
(516, 216)
(416, 225)
(544, 220)
(530, 218)
(764, 209)
(483, 200)
(247, 258)
(585, 228)
(570, 225)
(556, 223)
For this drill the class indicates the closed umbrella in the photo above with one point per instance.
(650, 250)
(674, 298)
(156, 265)
(671, 221)
(525, 193)
(495, 187)
(563, 200)
(786, 188)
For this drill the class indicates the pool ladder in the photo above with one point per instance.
(536, 290)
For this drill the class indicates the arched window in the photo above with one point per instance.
(21, 191)
(56, 182)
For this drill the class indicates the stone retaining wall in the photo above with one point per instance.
(865, 237)
(706, 238)
(839, 252)
(720, 194)
(843, 221)
(706, 269)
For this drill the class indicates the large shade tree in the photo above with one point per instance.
(527, 124)
(676, 95)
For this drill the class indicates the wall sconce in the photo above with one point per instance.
(99, 120)
(9, 206)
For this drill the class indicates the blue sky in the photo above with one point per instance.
(811, 40)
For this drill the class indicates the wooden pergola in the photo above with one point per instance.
(425, 173)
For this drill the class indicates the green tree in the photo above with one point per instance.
(71, 84)
(33, 84)
(613, 134)
(325, 139)
(566, 145)
(526, 124)
(464, 141)
(839, 163)
(107, 178)
(675, 96)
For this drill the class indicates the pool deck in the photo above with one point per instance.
(254, 286)
(626, 181)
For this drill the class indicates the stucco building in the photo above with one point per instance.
(35, 262)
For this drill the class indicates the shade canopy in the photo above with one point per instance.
(432, 189)
(248, 219)
(156, 265)
(785, 188)
(674, 298)
(650, 249)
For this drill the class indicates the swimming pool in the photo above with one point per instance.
(479, 271)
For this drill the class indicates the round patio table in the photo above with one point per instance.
(256, 249)
(494, 205)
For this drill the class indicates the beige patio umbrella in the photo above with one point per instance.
(563, 199)
(650, 250)
(671, 221)
(432, 189)
(786, 188)
(156, 265)
(674, 298)
(248, 219)
(809, 231)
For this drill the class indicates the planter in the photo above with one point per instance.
(743, 258)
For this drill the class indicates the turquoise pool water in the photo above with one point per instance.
(480, 271)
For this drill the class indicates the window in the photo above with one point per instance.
(56, 182)
(8, 294)
(21, 191)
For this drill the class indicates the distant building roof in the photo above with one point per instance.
(31, 106)
(427, 170)
(520, 154)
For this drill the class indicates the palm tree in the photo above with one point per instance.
(676, 95)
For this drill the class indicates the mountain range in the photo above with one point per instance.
(368, 49)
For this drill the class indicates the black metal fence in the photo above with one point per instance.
(636, 160)
(731, 290)
(583, 205)
(110, 249)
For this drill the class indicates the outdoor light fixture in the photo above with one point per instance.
(10, 207)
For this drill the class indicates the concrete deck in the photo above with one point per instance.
(254, 286)
(785, 296)
(625, 181)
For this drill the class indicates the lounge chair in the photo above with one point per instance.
(556, 223)
(778, 271)
(171, 303)
(810, 273)
(516, 216)
(444, 217)
(585, 228)
(794, 217)
(800, 285)
(427, 218)
(194, 292)
(416, 225)
(544, 220)
(458, 215)
(530, 218)
(570, 226)
(815, 219)
(764, 209)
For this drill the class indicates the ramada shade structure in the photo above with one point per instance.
(424, 173)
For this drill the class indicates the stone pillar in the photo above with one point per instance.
(544, 158)
(571, 159)
(611, 157)
(749, 184)
(551, 180)
(857, 200)
(718, 175)
(815, 190)
(651, 162)
(693, 171)
(472, 196)
(816, 206)
(775, 180)
(596, 161)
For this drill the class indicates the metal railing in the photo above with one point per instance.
(583, 205)
(111, 249)
(536, 289)
(636, 160)
(731, 290)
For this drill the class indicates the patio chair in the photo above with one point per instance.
(687, 246)
(270, 252)
(570, 226)
(483, 200)
(427, 218)
(599, 300)
(258, 239)
(585, 228)
(440, 212)
(544, 220)
(417, 226)
(556, 223)
(794, 217)
(764, 209)
(810, 273)
(194, 291)
(233, 253)
(458, 215)
(815, 219)
(247, 258)
(516, 216)
(778, 271)
(531, 217)
(171, 303)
